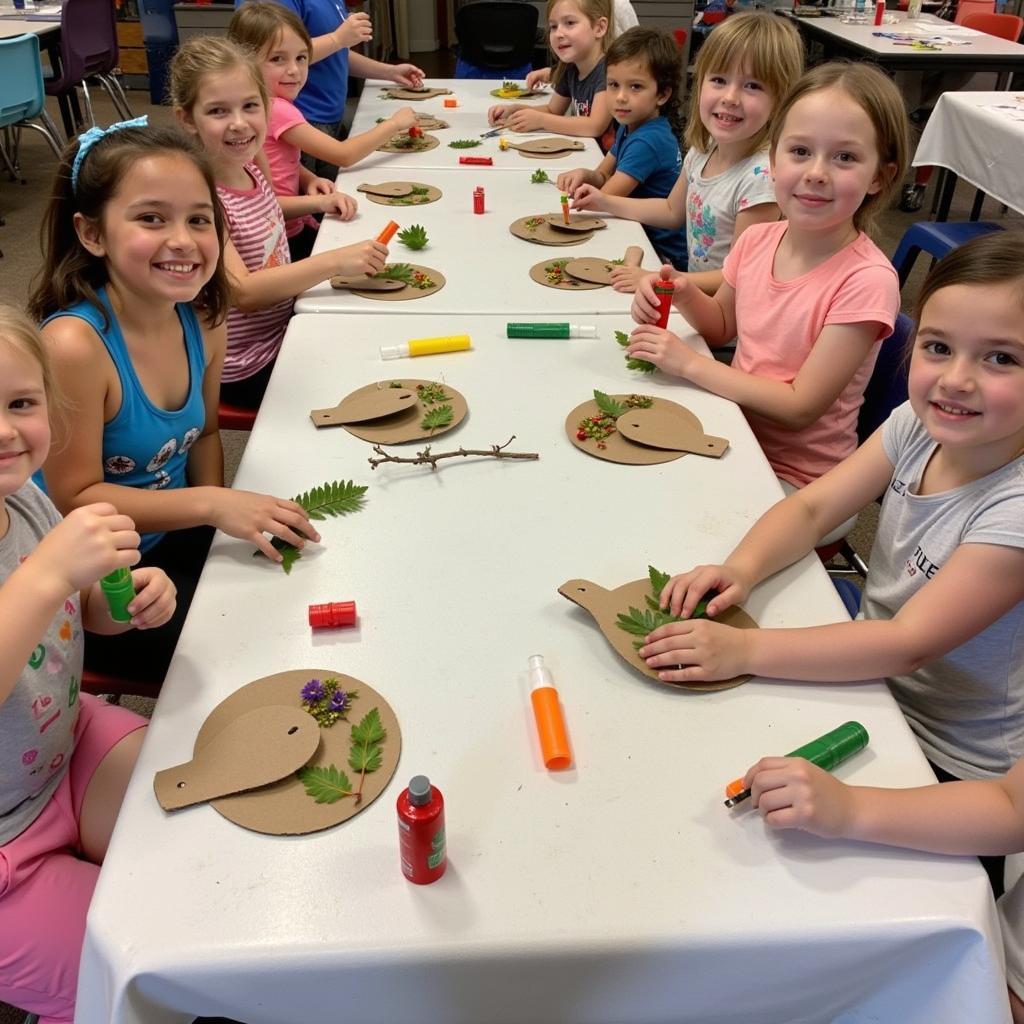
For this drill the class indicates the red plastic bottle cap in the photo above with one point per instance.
(336, 613)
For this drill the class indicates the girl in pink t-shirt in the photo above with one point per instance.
(219, 97)
(283, 48)
(810, 298)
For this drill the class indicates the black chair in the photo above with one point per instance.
(495, 36)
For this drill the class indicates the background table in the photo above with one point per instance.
(486, 267)
(621, 890)
(473, 96)
(978, 136)
(982, 53)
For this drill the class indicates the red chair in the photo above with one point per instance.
(1004, 26)
(99, 684)
(234, 417)
(966, 8)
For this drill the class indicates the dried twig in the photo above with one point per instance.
(496, 451)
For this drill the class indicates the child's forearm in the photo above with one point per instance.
(708, 281)
(299, 206)
(705, 315)
(96, 613)
(152, 511)
(349, 151)
(655, 213)
(206, 461)
(28, 603)
(263, 288)
(977, 817)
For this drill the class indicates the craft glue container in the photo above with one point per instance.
(421, 831)
(664, 289)
(561, 330)
(119, 591)
(426, 346)
(547, 713)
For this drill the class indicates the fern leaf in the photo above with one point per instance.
(658, 579)
(325, 785)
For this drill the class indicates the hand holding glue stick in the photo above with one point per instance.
(547, 713)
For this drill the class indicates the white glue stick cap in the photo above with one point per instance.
(581, 331)
(539, 675)
(394, 351)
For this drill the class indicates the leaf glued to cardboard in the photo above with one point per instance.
(325, 785)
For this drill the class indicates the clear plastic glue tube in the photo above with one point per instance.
(550, 331)
(547, 712)
(427, 346)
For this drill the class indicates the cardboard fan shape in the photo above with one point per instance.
(547, 148)
(392, 290)
(400, 193)
(658, 427)
(537, 228)
(429, 123)
(606, 605)
(284, 807)
(676, 421)
(402, 143)
(425, 93)
(517, 94)
(400, 418)
(577, 223)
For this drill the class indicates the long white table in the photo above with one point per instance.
(618, 891)
(978, 136)
(485, 266)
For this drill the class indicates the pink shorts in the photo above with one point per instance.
(45, 888)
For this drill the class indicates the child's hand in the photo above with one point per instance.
(319, 187)
(366, 257)
(248, 516)
(340, 205)
(683, 592)
(793, 793)
(626, 279)
(407, 74)
(569, 181)
(525, 120)
(355, 29)
(645, 309)
(403, 119)
(154, 600)
(88, 543)
(697, 651)
(663, 348)
(588, 197)
(538, 79)
(498, 113)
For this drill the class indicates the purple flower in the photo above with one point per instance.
(313, 691)
(338, 701)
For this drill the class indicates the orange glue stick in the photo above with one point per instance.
(385, 236)
(565, 208)
(547, 712)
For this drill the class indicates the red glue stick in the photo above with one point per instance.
(476, 161)
(385, 236)
(336, 613)
(478, 199)
(421, 842)
(879, 11)
(664, 288)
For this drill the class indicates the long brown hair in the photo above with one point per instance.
(997, 258)
(69, 272)
(758, 43)
(660, 53)
(592, 10)
(876, 94)
(208, 55)
(257, 26)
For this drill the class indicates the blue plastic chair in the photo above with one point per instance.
(22, 99)
(850, 595)
(936, 238)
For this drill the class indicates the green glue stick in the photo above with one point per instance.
(119, 591)
(828, 752)
(550, 331)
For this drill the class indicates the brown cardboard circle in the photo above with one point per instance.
(577, 223)
(408, 292)
(423, 145)
(405, 426)
(605, 605)
(547, 148)
(539, 273)
(400, 93)
(284, 808)
(430, 123)
(617, 448)
(544, 234)
(522, 94)
(432, 196)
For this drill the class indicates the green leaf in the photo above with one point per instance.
(333, 499)
(539, 176)
(439, 416)
(658, 580)
(396, 272)
(365, 753)
(633, 364)
(464, 143)
(622, 338)
(608, 405)
(325, 785)
(413, 237)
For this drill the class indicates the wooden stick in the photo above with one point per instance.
(496, 451)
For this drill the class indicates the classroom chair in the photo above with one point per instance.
(89, 50)
(936, 238)
(496, 39)
(887, 388)
(22, 99)
(235, 417)
(1004, 26)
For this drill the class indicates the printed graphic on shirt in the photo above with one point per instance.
(920, 562)
(701, 225)
(162, 457)
(272, 244)
(118, 465)
(36, 658)
(190, 438)
(73, 690)
(160, 480)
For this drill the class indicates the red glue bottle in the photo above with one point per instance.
(664, 289)
(421, 841)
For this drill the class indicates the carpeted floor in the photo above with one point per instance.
(22, 206)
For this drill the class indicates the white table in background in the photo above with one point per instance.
(619, 891)
(19, 27)
(472, 94)
(978, 136)
(485, 266)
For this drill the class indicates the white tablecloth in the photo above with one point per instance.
(619, 891)
(486, 267)
(979, 136)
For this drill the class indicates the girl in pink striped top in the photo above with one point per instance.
(219, 96)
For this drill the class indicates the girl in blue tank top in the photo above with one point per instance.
(133, 297)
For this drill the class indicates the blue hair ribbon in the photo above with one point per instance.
(89, 139)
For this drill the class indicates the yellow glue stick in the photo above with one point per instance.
(427, 346)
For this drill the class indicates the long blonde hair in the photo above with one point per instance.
(18, 331)
(761, 44)
(592, 10)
